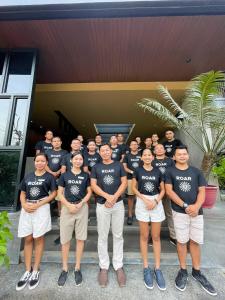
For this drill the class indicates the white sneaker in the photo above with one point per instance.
(23, 280)
(34, 280)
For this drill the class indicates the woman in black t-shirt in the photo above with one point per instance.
(148, 185)
(37, 190)
(74, 192)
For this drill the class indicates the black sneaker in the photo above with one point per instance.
(34, 280)
(57, 241)
(173, 241)
(23, 280)
(78, 277)
(62, 278)
(205, 284)
(129, 221)
(181, 280)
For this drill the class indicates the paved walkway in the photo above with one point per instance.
(213, 261)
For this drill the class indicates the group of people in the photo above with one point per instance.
(156, 175)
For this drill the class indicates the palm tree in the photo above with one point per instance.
(200, 117)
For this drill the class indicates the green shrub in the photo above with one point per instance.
(5, 236)
(219, 170)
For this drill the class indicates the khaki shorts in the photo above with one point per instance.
(129, 188)
(70, 222)
(188, 228)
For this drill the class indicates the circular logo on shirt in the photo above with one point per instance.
(113, 155)
(168, 149)
(92, 163)
(34, 191)
(135, 164)
(108, 179)
(162, 170)
(149, 187)
(74, 190)
(185, 186)
(55, 160)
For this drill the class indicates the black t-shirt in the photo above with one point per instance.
(75, 186)
(133, 162)
(98, 147)
(43, 146)
(38, 187)
(91, 159)
(163, 164)
(108, 178)
(116, 153)
(124, 148)
(185, 184)
(148, 181)
(171, 146)
(55, 159)
(66, 161)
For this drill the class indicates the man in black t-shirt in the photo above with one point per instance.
(148, 143)
(91, 157)
(171, 143)
(108, 181)
(44, 146)
(117, 154)
(185, 186)
(131, 162)
(138, 140)
(66, 161)
(98, 141)
(162, 163)
(83, 148)
(125, 149)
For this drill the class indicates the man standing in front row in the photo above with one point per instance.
(109, 181)
(185, 186)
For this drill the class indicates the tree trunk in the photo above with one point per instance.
(207, 164)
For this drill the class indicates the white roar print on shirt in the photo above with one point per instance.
(108, 179)
(149, 187)
(55, 160)
(185, 186)
(34, 191)
(74, 190)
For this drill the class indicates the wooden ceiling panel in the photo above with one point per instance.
(120, 49)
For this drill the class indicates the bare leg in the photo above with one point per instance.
(182, 254)
(144, 233)
(28, 250)
(195, 252)
(155, 231)
(39, 248)
(79, 253)
(65, 255)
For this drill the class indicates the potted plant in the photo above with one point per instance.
(5, 236)
(219, 171)
(200, 118)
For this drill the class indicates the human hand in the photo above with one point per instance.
(192, 210)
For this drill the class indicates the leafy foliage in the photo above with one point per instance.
(5, 236)
(219, 170)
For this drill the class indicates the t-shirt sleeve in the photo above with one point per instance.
(85, 161)
(63, 162)
(22, 186)
(88, 180)
(168, 177)
(38, 146)
(161, 177)
(93, 172)
(122, 171)
(201, 179)
(135, 174)
(61, 181)
(53, 184)
(125, 159)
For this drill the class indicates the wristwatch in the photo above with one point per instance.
(185, 205)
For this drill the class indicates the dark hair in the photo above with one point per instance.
(146, 150)
(105, 144)
(119, 134)
(90, 140)
(75, 140)
(48, 131)
(169, 130)
(181, 147)
(148, 137)
(57, 137)
(41, 154)
(76, 153)
(133, 141)
(98, 135)
(155, 134)
(113, 135)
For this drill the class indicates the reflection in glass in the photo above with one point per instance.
(19, 122)
(5, 109)
(9, 162)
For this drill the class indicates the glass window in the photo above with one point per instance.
(9, 162)
(19, 75)
(5, 110)
(17, 135)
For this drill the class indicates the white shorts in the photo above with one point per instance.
(36, 223)
(155, 215)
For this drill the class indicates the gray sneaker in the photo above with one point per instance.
(160, 279)
(148, 278)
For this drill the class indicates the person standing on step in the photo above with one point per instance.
(109, 181)
(131, 162)
(185, 186)
(117, 154)
(83, 148)
(148, 143)
(155, 141)
(162, 163)
(43, 146)
(91, 157)
(149, 188)
(37, 190)
(74, 192)
(138, 140)
(171, 143)
(66, 161)
(125, 149)
(55, 157)
(98, 141)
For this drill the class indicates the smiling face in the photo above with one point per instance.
(49, 135)
(105, 152)
(155, 138)
(75, 145)
(56, 143)
(120, 138)
(169, 135)
(91, 146)
(148, 142)
(159, 150)
(77, 161)
(98, 139)
(134, 146)
(113, 140)
(181, 156)
(147, 156)
(40, 162)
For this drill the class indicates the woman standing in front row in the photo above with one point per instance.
(74, 192)
(148, 185)
(37, 190)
